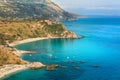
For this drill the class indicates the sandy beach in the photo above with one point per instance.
(36, 39)
(8, 69)
(26, 41)
(11, 68)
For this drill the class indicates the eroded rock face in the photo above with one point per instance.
(69, 34)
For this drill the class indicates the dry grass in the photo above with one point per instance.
(18, 30)
(7, 57)
(11, 31)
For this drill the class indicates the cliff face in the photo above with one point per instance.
(33, 9)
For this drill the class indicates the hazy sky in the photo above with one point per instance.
(91, 5)
(87, 3)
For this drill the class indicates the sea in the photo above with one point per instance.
(94, 57)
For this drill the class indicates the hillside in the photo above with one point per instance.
(7, 57)
(24, 19)
(11, 31)
(10, 9)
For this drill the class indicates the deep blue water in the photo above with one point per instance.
(101, 46)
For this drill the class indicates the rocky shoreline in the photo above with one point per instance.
(35, 65)
(11, 68)
(37, 39)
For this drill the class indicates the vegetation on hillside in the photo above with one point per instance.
(7, 57)
(11, 31)
(11, 9)
(23, 19)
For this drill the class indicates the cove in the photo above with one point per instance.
(101, 46)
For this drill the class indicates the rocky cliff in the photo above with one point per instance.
(10, 9)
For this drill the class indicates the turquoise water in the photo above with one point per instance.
(101, 46)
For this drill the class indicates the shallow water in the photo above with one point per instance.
(100, 47)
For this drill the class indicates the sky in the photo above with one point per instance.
(91, 7)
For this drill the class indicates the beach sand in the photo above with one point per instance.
(11, 68)
(8, 69)
(26, 41)
(37, 39)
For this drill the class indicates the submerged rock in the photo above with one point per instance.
(72, 61)
(77, 67)
(95, 66)
(82, 61)
(65, 61)
(51, 67)
(62, 66)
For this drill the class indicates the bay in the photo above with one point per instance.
(99, 50)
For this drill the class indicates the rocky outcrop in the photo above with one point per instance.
(35, 65)
(69, 34)
(51, 67)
